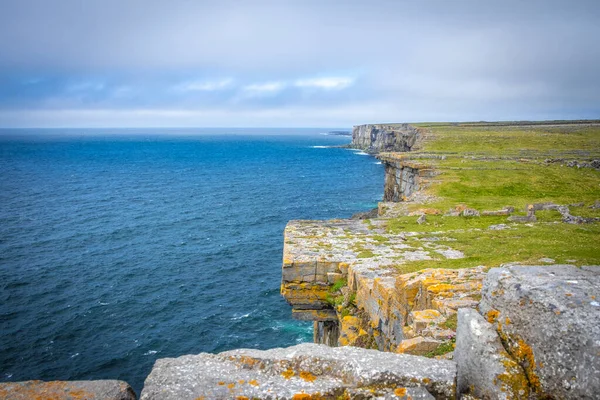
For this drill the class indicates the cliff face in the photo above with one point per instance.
(380, 138)
(343, 274)
(403, 177)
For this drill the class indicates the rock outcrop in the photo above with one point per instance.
(549, 320)
(374, 305)
(485, 369)
(67, 390)
(304, 371)
(403, 177)
(380, 138)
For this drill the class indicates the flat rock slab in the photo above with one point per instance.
(549, 320)
(485, 369)
(67, 390)
(296, 373)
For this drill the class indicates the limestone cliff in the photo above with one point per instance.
(380, 138)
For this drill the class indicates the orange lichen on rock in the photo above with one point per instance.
(253, 382)
(524, 353)
(288, 373)
(400, 392)
(513, 380)
(492, 316)
(231, 386)
(46, 391)
(245, 361)
(301, 396)
(307, 376)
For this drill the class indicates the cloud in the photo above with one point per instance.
(264, 89)
(204, 86)
(331, 83)
(459, 60)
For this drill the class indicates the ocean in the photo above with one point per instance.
(119, 247)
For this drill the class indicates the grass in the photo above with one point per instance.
(514, 140)
(365, 254)
(337, 285)
(451, 322)
(565, 243)
(442, 349)
(491, 166)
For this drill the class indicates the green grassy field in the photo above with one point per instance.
(488, 167)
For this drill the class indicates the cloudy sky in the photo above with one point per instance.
(138, 63)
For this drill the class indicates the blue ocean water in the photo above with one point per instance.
(118, 247)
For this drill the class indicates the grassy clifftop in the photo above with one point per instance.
(488, 167)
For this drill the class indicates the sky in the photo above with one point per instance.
(304, 63)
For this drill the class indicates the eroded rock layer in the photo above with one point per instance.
(379, 138)
(349, 272)
(67, 390)
(306, 371)
(549, 320)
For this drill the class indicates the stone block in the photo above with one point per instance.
(67, 390)
(419, 320)
(314, 315)
(549, 320)
(418, 345)
(333, 277)
(296, 372)
(485, 369)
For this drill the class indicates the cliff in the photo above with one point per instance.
(380, 138)
(475, 279)
(367, 283)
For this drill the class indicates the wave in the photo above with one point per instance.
(377, 162)
(320, 147)
(238, 316)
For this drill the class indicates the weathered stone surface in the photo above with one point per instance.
(418, 345)
(419, 320)
(67, 390)
(326, 332)
(549, 320)
(296, 372)
(399, 393)
(315, 315)
(366, 214)
(403, 177)
(469, 212)
(385, 296)
(487, 213)
(485, 369)
(378, 138)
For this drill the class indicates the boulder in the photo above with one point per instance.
(298, 372)
(67, 390)
(549, 320)
(485, 369)
(418, 345)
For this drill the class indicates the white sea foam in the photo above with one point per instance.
(377, 162)
(150, 352)
(361, 153)
(238, 317)
(320, 147)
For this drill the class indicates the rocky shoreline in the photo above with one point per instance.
(384, 330)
